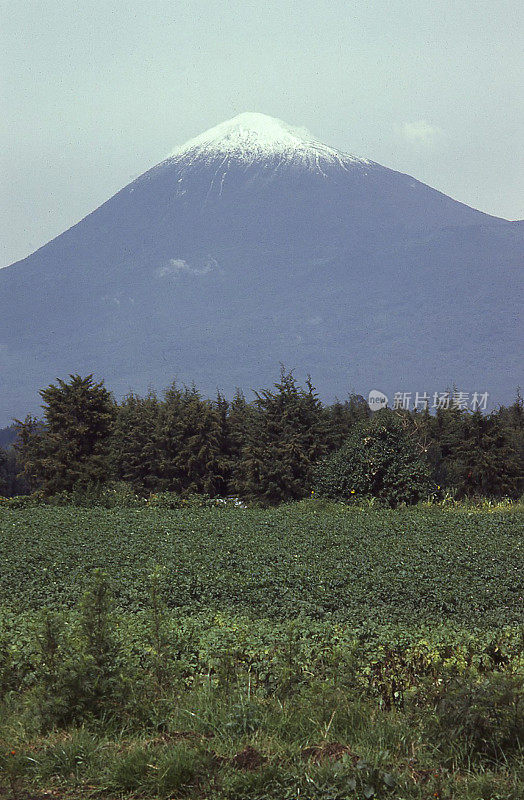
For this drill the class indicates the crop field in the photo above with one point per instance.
(309, 651)
(362, 566)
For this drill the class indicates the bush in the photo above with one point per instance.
(379, 460)
(81, 668)
(114, 495)
(22, 501)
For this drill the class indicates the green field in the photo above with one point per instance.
(308, 651)
(362, 566)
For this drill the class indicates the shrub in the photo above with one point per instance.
(22, 501)
(81, 671)
(379, 460)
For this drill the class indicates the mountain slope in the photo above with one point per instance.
(254, 244)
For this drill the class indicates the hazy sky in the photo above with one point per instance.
(95, 92)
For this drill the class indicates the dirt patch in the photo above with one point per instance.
(330, 751)
(248, 759)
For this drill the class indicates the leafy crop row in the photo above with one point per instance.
(363, 566)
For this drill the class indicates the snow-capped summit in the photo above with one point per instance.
(251, 137)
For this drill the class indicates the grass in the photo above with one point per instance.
(346, 748)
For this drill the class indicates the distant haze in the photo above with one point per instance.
(96, 93)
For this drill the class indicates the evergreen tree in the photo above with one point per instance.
(224, 445)
(136, 448)
(15, 481)
(190, 440)
(444, 432)
(476, 454)
(31, 448)
(4, 473)
(341, 417)
(7, 436)
(486, 462)
(512, 420)
(287, 434)
(241, 417)
(70, 451)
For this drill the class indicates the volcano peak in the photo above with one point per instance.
(252, 136)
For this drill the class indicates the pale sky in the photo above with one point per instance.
(96, 92)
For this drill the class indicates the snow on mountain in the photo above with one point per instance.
(251, 137)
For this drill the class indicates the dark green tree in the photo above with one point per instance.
(441, 434)
(31, 451)
(512, 420)
(241, 415)
(4, 473)
(224, 444)
(136, 446)
(341, 417)
(15, 481)
(486, 463)
(190, 444)
(7, 436)
(70, 450)
(381, 460)
(286, 436)
(476, 454)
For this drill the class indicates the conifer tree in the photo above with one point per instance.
(341, 417)
(31, 451)
(70, 450)
(190, 439)
(15, 483)
(444, 432)
(136, 442)
(486, 462)
(286, 436)
(224, 444)
(512, 420)
(240, 418)
(3, 473)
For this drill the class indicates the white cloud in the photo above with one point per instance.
(419, 131)
(177, 266)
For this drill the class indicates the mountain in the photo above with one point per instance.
(255, 244)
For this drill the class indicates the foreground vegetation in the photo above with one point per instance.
(312, 651)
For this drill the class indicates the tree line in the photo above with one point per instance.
(280, 446)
